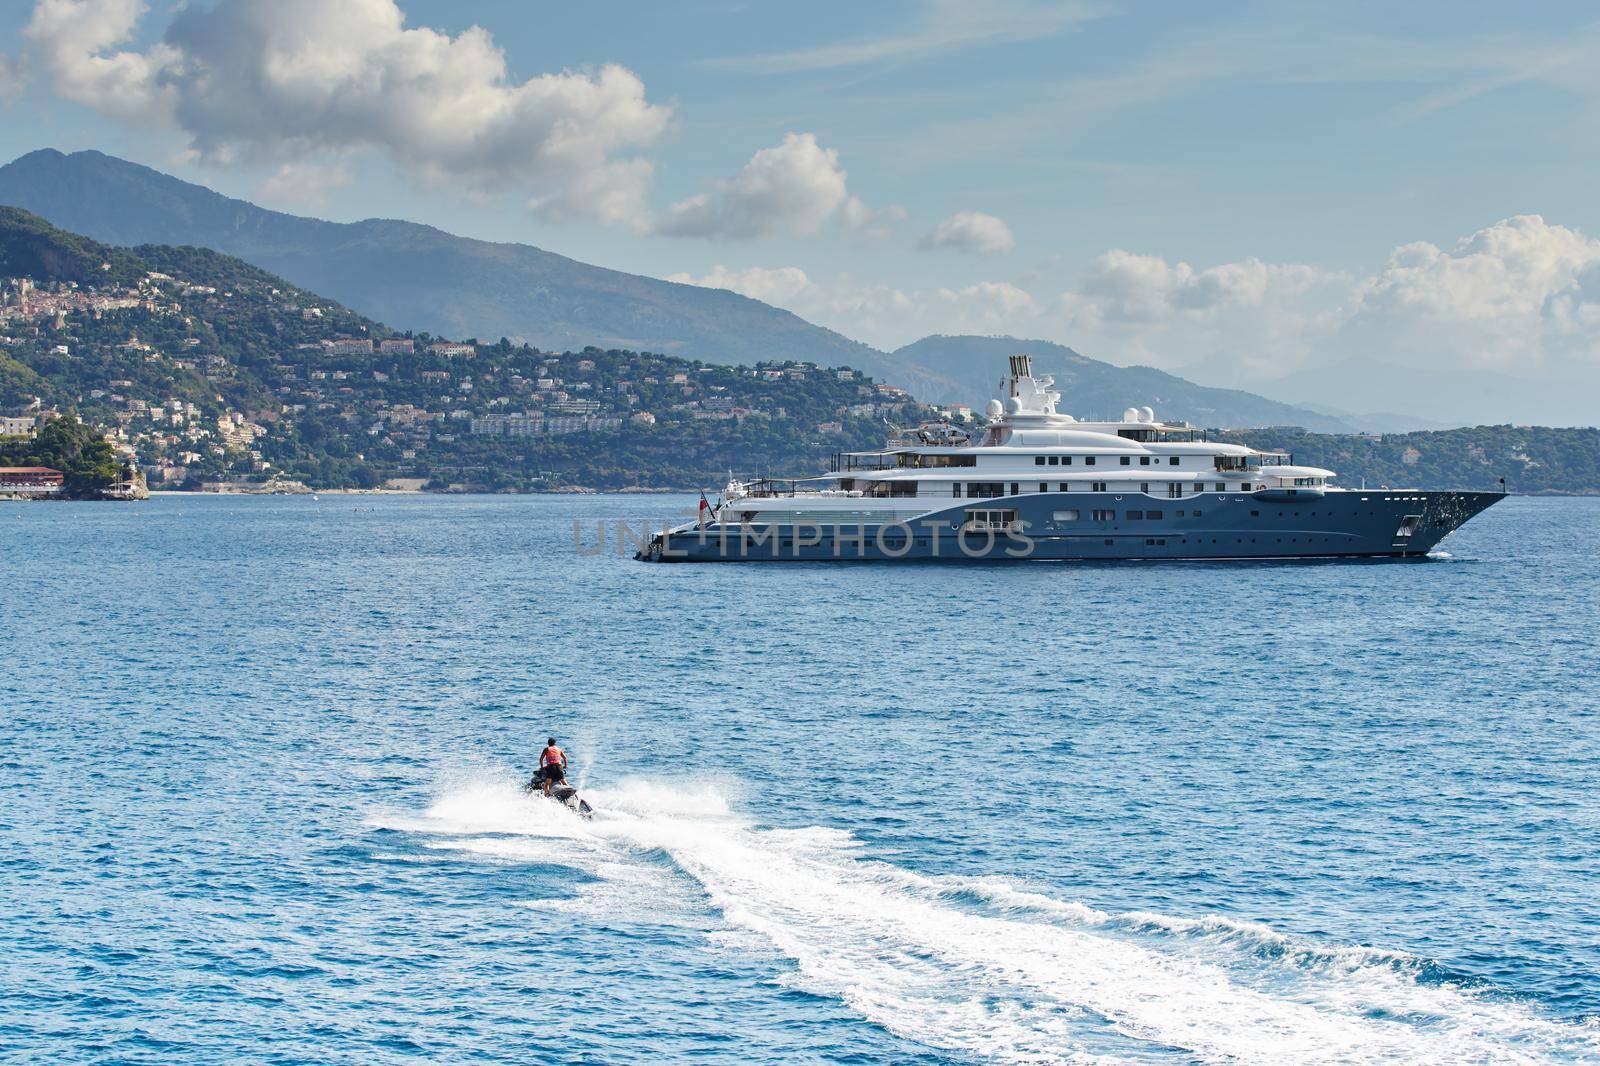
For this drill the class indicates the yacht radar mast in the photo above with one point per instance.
(1026, 394)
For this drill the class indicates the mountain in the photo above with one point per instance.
(966, 370)
(32, 248)
(1381, 421)
(206, 368)
(417, 277)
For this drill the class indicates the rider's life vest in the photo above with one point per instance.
(552, 757)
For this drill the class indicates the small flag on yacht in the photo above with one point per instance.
(705, 506)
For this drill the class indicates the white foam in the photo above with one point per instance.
(701, 799)
(555, 851)
(494, 805)
(987, 968)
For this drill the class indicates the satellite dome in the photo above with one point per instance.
(1013, 405)
(1147, 414)
(1131, 415)
(992, 409)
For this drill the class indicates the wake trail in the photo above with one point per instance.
(981, 967)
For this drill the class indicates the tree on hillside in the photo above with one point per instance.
(66, 444)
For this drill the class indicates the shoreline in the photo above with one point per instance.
(640, 490)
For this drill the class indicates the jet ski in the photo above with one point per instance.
(565, 795)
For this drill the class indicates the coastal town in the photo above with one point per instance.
(246, 384)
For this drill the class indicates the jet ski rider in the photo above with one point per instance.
(552, 766)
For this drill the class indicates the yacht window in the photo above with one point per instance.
(1044, 486)
(1154, 516)
(1135, 516)
(892, 488)
(1066, 486)
(1103, 516)
(1066, 516)
(1180, 514)
(930, 461)
(1244, 486)
(1221, 487)
(1066, 460)
(1197, 514)
(1099, 486)
(982, 490)
(955, 489)
(1173, 461)
(1014, 488)
(982, 520)
(1127, 460)
(1144, 460)
(1144, 487)
(1038, 460)
(1088, 460)
(1175, 489)
(1055, 460)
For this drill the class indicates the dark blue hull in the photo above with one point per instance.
(1103, 526)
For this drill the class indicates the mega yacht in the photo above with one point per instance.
(1034, 483)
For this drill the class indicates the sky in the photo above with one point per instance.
(1367, 206)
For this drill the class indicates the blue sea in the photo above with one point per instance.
(261, 760)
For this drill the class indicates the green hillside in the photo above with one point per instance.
(1532, 459)
(78, 451)
(210, 369)
(32, 248)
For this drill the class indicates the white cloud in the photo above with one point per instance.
(874, 224)
(1521, 295)
(1136, 289)
(874, 312)
(1242, 319)
(795, 186)
(1508, 295)
(288, 82)
(972, 231)
(615, 192)
(777, 286)
(72, 40)
(300, 185)
(283, 80)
